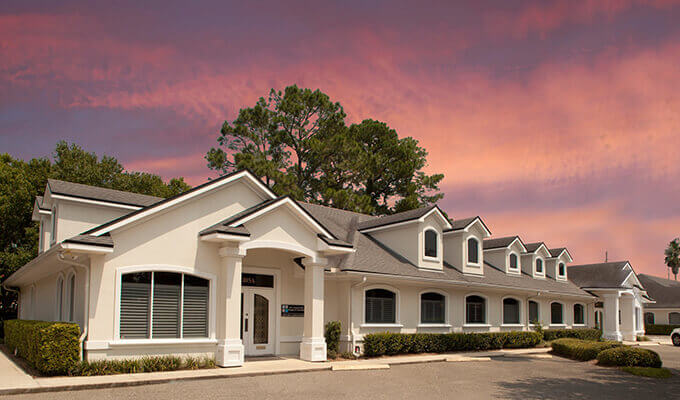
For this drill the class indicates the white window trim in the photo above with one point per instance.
(519, 264)
(59, 298)
(542, 273)
(486, 311)
(521, 312)
(212, 301)
(70, 294)
(479, 251)
(438, 258)
(563, 308)
(561, 276)
(585, 314)
(397, 311)
(446, 322)
(53, 223)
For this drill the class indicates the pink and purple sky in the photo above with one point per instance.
(555, 120)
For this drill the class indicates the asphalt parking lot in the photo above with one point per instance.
(507, 378)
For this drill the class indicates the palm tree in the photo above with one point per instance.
(672, 258)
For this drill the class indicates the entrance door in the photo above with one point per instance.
(258, 321)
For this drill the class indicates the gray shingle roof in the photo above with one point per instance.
(39, 202)
(101, 194)
(498, 243)
(532, 247)
(104, 240)
(602, 275)
(395, 218)
(556, 252)
(665, 292)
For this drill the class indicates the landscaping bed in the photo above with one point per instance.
(652, 329)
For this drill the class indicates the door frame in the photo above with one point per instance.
(277, 299)
(249, 294)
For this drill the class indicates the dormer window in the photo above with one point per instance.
(561, 269)
(431, 239)
(513, 261)
(473, 251)
(539, 266)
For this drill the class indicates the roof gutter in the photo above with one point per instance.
(86, 307)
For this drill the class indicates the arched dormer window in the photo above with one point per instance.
(539, 265)
(431, 246)
(561, 270)
(473, 251)
(513, 261)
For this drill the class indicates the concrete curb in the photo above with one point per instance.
(359, 367)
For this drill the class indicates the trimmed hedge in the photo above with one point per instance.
(143, 364)
(378, 344)
(581, 350)
(53, 348)
(332, 334)
(581, 333)
(652, 329)
(626, 356)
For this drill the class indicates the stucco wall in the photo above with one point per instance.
(75, 218)
(661, 315)
(402, 239)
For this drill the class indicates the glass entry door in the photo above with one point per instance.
(258, 321)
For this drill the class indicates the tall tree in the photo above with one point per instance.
(672, 256)
(297, 141)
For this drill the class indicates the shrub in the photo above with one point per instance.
(378, 344)
(581, 350)
(348, 355)
(333, 329)
(652, 329)
(658, 373)
(582, 333)
(52, 348)
(144, 364)
(626, 356)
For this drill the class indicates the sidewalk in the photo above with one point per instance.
(14, 380)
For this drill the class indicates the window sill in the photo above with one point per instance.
(174, 341)
(477, 326)
(562, 325)
(434, 325)
(432, 259)
(511, 325)
(370, 325)
(580, 325)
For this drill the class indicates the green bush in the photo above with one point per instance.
(582, 333)
(581, 350)
(626, 356)
(53, 348)
(378, 344)
(652, 329)
(144, 364)
(333, 329)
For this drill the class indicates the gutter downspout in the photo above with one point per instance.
(86, 306)
(351, 320)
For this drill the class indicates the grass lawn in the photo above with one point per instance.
(659, 373)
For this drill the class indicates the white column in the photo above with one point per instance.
(313, 345)
(610, 327)
(229, 344)
(628, 317)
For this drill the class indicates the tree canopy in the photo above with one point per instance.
(297, 141)
(672, 256)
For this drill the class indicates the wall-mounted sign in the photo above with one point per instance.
(257, 280)
(292, 310)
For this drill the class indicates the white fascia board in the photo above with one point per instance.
(86, 248)
(389, 226)
(95, 202)
(478, 221)
(224, 237)
(524, 249)
(182, 198)
(331, 249)
(287, 201)
(436, 210)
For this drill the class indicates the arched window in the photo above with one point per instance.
(539, 265)
(561, 270)
(70, 297)
(432, 308)
(473, 251)
(649, 318)
(513, 261)
(533, 312)
(556, 314)
(475, 310)
(431, 239)
(380, 306)
(60, 298)
(163, 305)
(674, 318)
(510, 311)
(578, 314)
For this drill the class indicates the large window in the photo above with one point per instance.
(473, 251)
(163, 305)
(431, 239)
(578, 314)
(513, 261)
(380, 306)
(533, 312)
(539, 266)
(561, 271)
(674, 318)
(649, 318)
(475, 310)
(510, 311)
(556, 314)
(432, 308)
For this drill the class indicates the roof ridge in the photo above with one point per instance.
(101, 188)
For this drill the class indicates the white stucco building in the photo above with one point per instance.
(230, 270)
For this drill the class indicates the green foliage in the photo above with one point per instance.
(332, 333)
(298, 142)
(348, 355)
(626, 356)
(53, 348)
(378, 344)
(648, 372)
(583, 334)
(581, 350)
(672, 256)
(653, 329)
(143, 364)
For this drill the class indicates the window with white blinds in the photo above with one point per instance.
(432, 308)
(163, 305)
(475, 310)
(380, 306)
